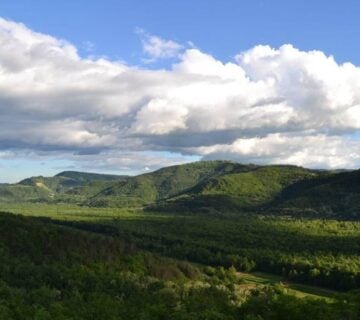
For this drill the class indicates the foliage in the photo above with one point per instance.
(205, 187)
(67, 186)
(113, 260)
(317, 252)
(332, 195)
(56, 272)
(161, 184)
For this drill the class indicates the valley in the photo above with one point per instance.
(221, 233)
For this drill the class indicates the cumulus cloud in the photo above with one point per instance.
(158, 48)
(311, 150)
(128, 162)
(268, 105)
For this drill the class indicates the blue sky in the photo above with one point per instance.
(193, 37)
(221, 28)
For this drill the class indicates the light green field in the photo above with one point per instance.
(297, 289)
(69, 211)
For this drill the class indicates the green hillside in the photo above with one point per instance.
(89, 176)
(330, 195)
(51, 184)
(222, 187)
(162, 184)
(68, 186)
(24, 193)
(277, 190)
(203, 187)
(68, 179)
(248, 190)
(51, 271)
(109, 263)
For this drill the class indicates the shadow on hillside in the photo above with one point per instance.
(293, 248)
(305, 237)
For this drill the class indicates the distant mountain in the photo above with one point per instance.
(244, 188)
(89, 176)
(223, 186)
(279, 190)
(331, 195)
(204, 187)
(67, 186)
(219, 185)
(23, 193)
(161, 184)
(68, 179)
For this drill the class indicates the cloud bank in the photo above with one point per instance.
(268, 105)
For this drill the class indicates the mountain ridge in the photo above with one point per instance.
(204, 187)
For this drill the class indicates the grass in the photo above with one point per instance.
(297, 289)
(69, 211)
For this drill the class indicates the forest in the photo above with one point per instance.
(208, 240)
(49, 271)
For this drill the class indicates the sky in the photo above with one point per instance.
(130, 86)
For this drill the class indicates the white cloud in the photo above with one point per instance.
(312, 150)
(268, 105)
(128, 162)
(158, 48)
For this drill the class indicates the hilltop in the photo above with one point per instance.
(330, 195)
(214, 187)
(223, 186)
(63, 186)
(161, 184)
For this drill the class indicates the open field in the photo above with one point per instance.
(297, 289)
(70, 212)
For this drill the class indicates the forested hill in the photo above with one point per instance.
(329, 195)
(284, 190)
(65, 186)
(90, 176)
(69, 179)
(249, 183)
(50, 271)
(164, 183)
(204, 187)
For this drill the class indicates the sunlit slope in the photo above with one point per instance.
(274, 190)
(23, 193)
(251, 189)
(66, 186)
(68, 179)
(162, 184)
(204, 186)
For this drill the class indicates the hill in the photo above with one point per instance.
(222, 187)
(67, 180)
(24, 193)
(90, 176)
(279, 190)
(215, 187)
(330, 195)
(161, 184)
(53, 271)
(249, 189)
(68, 186)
